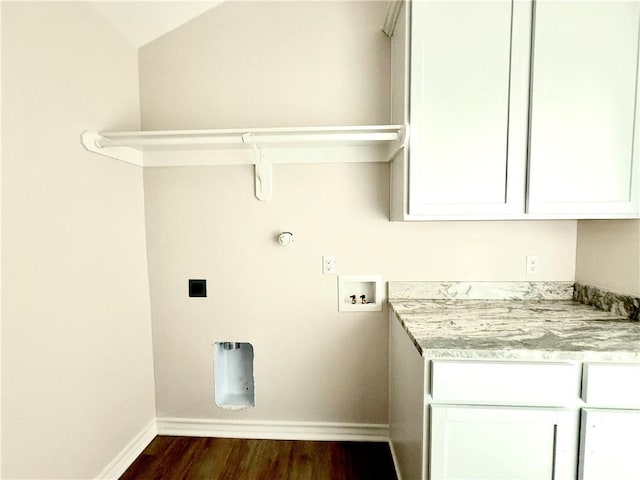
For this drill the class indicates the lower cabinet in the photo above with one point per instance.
(467, 419)
(472, 442)
(609, 442)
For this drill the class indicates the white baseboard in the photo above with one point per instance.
(128, 454)
(196, 427)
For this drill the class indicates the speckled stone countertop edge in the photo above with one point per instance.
(533, 355)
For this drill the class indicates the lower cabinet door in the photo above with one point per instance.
(499, 443)
(609, 444)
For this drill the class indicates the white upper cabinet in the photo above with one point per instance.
(583, 107)
(461, 157)
(517, 109)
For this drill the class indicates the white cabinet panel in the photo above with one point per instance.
(583, 105)
(609, 445)
(493, 443)
(407, 415)
(504, 383)
(461, 75)
(611, 385)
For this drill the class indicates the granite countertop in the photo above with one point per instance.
(538, 322)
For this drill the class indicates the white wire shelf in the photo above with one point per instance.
(262, 147)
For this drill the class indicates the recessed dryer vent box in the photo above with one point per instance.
(353, 287)
(233, 375)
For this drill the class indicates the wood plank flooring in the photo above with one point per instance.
(193, 458)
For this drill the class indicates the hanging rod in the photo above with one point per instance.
(380, 143)
(237, 137)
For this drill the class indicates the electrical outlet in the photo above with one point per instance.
(533, 264)
(328, 265)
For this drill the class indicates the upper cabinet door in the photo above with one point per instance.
(583, 132)
(468, 107)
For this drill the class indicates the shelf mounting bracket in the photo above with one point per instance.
(263, 174)
(263, 169)
(92, 142)
(400, 144)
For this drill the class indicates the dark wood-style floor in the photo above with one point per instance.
(192, 458)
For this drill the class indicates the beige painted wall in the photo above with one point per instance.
(77, 372)
(1, 196)
(312, 363)
(228, 68)
(314, 63)
(608, 255)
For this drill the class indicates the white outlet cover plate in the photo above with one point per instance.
(329, 265)
(533, 264)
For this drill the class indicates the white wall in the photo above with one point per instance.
(608, 255)
(77, 372)
(301, 63)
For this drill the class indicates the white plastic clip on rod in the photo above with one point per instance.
(246, 138)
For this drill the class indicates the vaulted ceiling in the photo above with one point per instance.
(143, 21)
